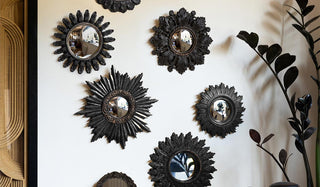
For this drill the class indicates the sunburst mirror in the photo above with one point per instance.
(181, 161)
(181, 40)
(116, 179)
(83, 41)
(117, 107)
(119, 5)
(219, 110)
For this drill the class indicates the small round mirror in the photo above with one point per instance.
(118, 106)
(181, 41)
(115, 182)
(220, 110)
(182, 166)
(84, 41)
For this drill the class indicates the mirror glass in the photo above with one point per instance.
(182, 166)
(118, 106)
(220, 110)
(181, 40)
(84, 41)
(115, 182)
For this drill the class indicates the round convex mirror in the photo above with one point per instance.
(118, 106)
(220, 110)
(181, 40)
(182, 166)
(115, 182)
(84, 41)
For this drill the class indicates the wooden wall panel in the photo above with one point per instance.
(13, 97)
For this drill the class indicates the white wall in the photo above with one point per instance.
(66, 156)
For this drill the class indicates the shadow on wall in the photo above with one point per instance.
(264, 86)
(279, 24)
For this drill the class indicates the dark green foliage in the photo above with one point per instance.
(255, 136)
(283, 156)
(267, 138)
(284, 61)
(290, 76)
(303, 105)
(273, 52)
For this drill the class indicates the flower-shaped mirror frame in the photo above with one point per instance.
(116, 175)
(219, 110)
(119, 5)
(95, 45)
(163, 161)
(117, 107)
(181, 40)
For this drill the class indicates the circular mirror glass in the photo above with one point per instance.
(182, 166)
(115, 182)
(84, 41)
(220, 110)
(118, 106)
(181, 40)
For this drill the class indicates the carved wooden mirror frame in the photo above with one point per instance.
(161, 161)
(119, 5)
(208, 122)
(198, 38)
(103, 114)
(68, 56)
(116, 175)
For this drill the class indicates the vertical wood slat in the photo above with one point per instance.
(13, 96)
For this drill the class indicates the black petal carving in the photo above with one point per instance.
(208, 122)
(116, 175)
(105, 124)
(118, 6)
(168, 149)
(96, 58)
(161, 40)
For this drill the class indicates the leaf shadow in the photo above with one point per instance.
(224, 47)
(265, 85)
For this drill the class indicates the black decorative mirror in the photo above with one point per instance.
(118, 5)
(83, 41)
(117, 107)
(181, 40)
(116, 179)
(181, 161)
(219, 110)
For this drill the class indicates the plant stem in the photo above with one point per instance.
(274, 158)
(304, 153)
(280, 83)
(318, 139)
(307, 166)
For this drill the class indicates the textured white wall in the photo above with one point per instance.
(66, 156)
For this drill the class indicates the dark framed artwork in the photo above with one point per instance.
(181, 40)
(181, 161)
(119, 5)
(219, 110)
(116, 179)
(83, 41)
(117, 107)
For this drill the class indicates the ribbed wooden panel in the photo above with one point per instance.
(12, 94)
(4, 180)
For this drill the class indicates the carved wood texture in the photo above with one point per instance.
(12, 94)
